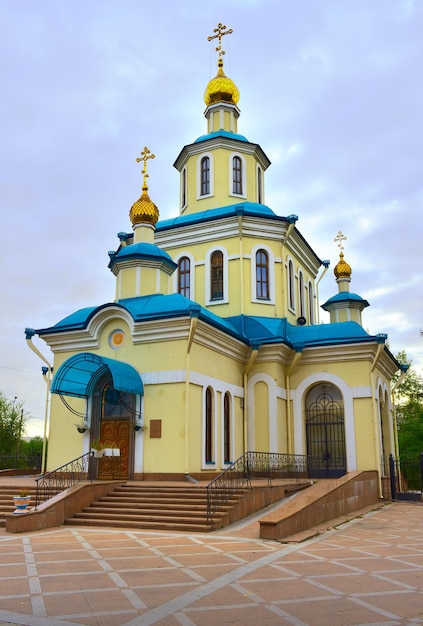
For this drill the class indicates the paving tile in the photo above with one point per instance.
(369, 571)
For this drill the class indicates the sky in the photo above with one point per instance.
(332, 90)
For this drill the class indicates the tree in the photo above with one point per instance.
(408, 398)
(12, 425)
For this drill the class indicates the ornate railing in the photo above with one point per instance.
(52, 483)
(21, 461)
(253, 465)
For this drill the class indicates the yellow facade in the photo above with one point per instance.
(212, 346)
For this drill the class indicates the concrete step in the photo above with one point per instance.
(140, 525)
(164, 507)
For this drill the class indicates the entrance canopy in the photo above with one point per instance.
(79, 375)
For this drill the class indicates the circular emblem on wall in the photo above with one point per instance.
(116, 339)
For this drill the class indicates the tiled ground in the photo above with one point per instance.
(369, 571)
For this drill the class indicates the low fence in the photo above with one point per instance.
(253, 465)
(403, 477)
(21, 462)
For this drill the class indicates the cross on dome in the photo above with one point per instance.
(340, 237)
(145, 155)
(220, 32)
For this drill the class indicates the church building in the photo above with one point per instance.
(212, 345)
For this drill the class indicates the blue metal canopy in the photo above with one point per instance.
(79, 374)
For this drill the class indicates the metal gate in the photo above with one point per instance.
(325, 435)
(405, 477)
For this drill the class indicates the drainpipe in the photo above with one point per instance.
(291, 219)
(326, 267)
(194, 312)
(292, 366)
(253, 356)
(381, 338)
(47, 375)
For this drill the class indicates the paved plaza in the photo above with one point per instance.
(365, 571)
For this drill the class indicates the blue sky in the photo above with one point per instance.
(331, 90)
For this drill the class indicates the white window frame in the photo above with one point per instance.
(207, 299)
(211, 160)
(243, 175)
(272, 292)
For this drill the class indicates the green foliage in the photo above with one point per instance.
(409, 409)
(410, 430)
(12, 424)
(411, 388)
(32, 447)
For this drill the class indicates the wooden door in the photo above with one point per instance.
(115, 434)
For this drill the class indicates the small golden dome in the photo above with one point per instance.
(342, 269)
(144, 211)
(221, 88)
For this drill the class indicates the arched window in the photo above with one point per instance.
(291, 287)
(205, 176)
(216, 275)
(325, 431)
(259, 186)
(208, 442)
(184, 188)
(301, 288)
(310, 303)
(184, 277)
(237, 175)
(227, 428)
(262, 274)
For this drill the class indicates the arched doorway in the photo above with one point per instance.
(325, 431)
(111, 419)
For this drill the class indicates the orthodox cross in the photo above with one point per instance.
(145, 155)
(220, 32)
(340, 237)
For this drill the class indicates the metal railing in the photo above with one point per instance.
(253, 465)
(405, 477)
(61, 478)
(21, 461)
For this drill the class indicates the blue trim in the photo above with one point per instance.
(222, 133)
(147, 251)
(79, 374)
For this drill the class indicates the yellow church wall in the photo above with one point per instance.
(261, 412)
(165, 403)
(365, 435)
(65, 442)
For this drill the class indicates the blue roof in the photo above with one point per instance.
(253, 209)
(345, 296)
(221, 133)
(78, 375)
(148, 251)
(251, 330)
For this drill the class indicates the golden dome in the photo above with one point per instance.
(342, 269)
(221, 88)
(144, 211)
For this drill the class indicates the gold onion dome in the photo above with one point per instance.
(221, 88)
(342, 269)
(144, 211)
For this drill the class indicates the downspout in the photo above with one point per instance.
(47, 375)
(326, 267)
(292, 366)
(194, 312)
(253, 356)
(376, 422)
(291, 219)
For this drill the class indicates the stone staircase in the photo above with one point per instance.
(158, 507)
(6, 499)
